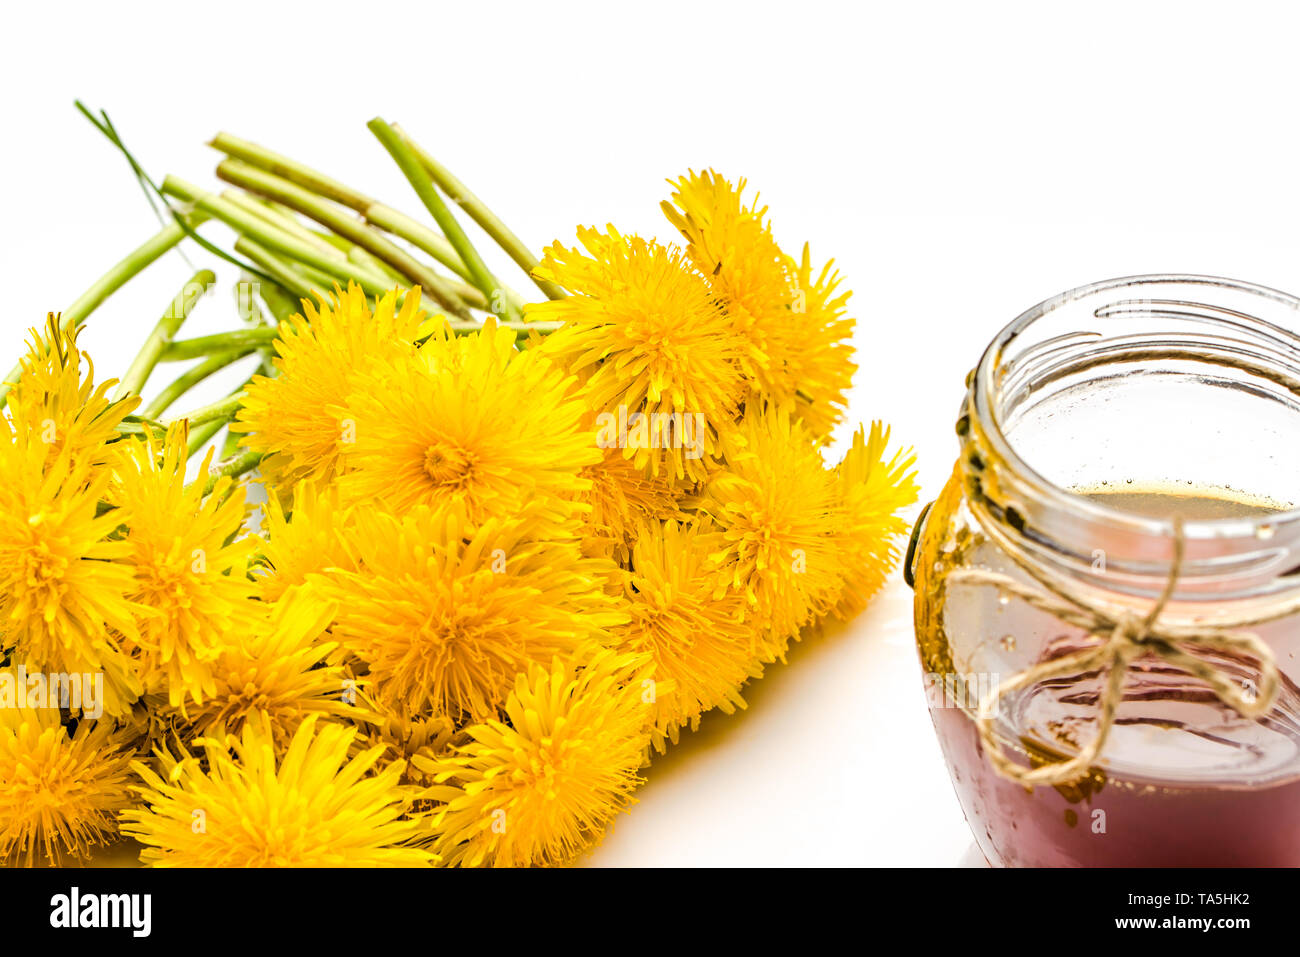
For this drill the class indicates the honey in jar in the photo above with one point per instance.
(1113, 437)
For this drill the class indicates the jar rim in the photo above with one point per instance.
(984, 385)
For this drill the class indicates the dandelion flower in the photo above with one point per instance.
(776, 508)
(702, 652)
(814, 346)
(278, 670)
(872, 490)
(297, 417)
(152, 722)
(64, 585)
(190, 566)
(404, 738)
(313, 807)
(304, 540)
(471, 419)
(445, 612)
(53, 403)
(732, 244)
(644, 333)
(61, 790)
(620, 499)
(542, 785)
(796, 322)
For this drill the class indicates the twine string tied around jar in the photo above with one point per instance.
(1122, 638)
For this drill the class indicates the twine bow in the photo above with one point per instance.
(1123, 637)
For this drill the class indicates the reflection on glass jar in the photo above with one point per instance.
(1118, 442)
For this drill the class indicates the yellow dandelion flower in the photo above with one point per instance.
(814, 346)
(297, 416)
(445, 612)
(313, 807)
(152, 722)
(277, 669)
(732, 244)
(190, 566)
(53, 403)
(404, 738)
(655, 352)
(64, 586)
(702, 652)
(61, 790)
(539, 787)
(302, 541)
(471, 419)
(621, 498)
(872, 490)
(776, 507)
(796, 322)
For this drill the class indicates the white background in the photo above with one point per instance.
(960, 162)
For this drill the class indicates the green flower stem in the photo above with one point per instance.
(231, 445)
(424, 238)
(333, 240)
(374, 283)
(284, 305)
(111, 281)
(255, 317)
(321, 283)
(265, 365)
(328, 215)
(192, 377)
(288, 169)
(418, 235)
(378, 268)
(514, 300)
(310, 282)
(211, 419)
(222, 342)
(134, 263)
(222, 411)
(306, 282)
(468, 294)
(366, 260)
(235, 467)
(166, 328)
(273, 238)
(274, 215)
(199, 436)
(490, 223)
(418, 177)
(376, 213)
(474, 298)
(278, 269)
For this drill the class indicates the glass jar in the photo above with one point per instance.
(1118, 441)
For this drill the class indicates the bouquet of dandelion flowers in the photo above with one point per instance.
(511, 545)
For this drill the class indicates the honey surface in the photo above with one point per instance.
(1193, 504)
